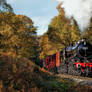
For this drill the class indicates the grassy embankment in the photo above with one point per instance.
(21, 75)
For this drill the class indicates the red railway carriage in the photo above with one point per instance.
(52, 62)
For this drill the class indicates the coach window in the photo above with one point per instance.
(49, 59)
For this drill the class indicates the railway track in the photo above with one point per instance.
(80, 80)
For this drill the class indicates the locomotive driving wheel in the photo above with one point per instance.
(86, 71)
(77, 71)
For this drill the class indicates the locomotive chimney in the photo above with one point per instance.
(83, 39)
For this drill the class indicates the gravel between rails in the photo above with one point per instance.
(80, 80)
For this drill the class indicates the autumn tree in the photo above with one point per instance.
(17, 34)
(61, 32)
(29, 37)
(45, 46)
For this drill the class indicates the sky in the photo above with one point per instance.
(40, 11)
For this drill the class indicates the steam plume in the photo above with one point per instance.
(80, 10)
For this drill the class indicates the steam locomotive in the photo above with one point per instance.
(77, 60)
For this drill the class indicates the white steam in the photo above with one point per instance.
(80, 10)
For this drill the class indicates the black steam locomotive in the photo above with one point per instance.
(77, 59)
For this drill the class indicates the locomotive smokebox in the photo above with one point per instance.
(85, 48)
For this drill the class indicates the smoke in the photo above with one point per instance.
(80, 10)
